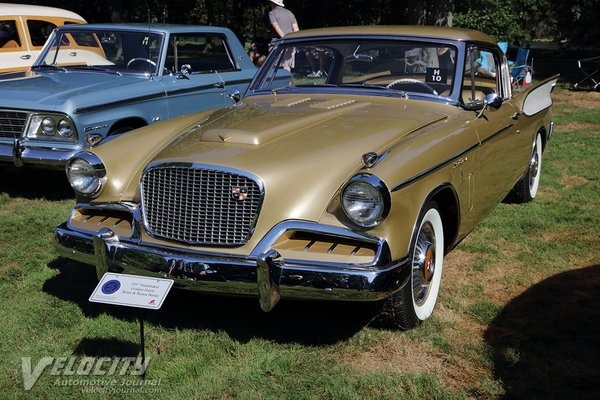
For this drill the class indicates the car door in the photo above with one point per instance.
(15, 54)
(195, 72)
(501, 156)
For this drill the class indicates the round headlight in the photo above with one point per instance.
(64, 128)
(85, 178)
(48, 126)
(363, 203)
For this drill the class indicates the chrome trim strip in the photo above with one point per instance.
(312, 227)
(163, 165)
(497, 133)
(448, 161)
(432, 169)
(98, 107)
(139, 99)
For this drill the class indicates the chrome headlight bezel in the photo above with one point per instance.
(51, 126)
(377, 190)
(92, 166)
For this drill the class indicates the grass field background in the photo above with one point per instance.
(518, 314)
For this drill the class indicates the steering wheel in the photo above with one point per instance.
(136, 59)
(410, 80)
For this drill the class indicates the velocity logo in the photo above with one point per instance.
(81, 366)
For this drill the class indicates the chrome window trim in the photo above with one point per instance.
(166, 165)
(460, 46)
(82, 28)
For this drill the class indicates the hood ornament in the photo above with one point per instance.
(370, 159)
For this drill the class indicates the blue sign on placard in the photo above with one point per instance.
(111, 286)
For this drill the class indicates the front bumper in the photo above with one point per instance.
(25, 154)
(263, 274)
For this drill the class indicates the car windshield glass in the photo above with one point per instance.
(107, 51)
(390, 66)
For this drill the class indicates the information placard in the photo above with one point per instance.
(131, 291)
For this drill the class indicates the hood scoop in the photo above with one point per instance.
(268, 127)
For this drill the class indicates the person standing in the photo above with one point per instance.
(282, 20)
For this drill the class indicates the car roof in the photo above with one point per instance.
(436, 32)
(172, 28)
(38, 11)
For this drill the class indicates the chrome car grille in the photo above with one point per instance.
(12, 123)
(203, 205)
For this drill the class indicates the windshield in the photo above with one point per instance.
(395, 66)
(108, 51)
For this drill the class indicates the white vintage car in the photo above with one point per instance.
(24, 30)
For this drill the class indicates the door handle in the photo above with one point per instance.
(219, 85)
(73, 53)
(517, 114)
(26, 57)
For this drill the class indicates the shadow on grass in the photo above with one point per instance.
(113, 347)
(308, 323)
(546, 342)
(31, 183)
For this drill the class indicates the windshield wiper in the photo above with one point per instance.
(95, 68)
(52, 67)
(314, 84)
(402, 93)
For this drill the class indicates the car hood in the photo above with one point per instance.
(303, 148)
(57, 90)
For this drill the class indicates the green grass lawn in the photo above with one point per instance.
(517, 315)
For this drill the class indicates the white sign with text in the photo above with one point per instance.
(131, 291)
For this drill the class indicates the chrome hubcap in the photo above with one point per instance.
(423, 263)
(534, 164)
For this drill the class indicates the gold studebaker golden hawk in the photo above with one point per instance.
(357, 158)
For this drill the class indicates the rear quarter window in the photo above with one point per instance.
(39, 30)
(9, 35)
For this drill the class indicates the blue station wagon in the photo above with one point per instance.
(93, 81)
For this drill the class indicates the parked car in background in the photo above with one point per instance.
(350, 185)
(92, 81)
(24, 30)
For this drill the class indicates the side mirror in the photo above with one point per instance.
(235, 97)
(184, 71)
(491, 100)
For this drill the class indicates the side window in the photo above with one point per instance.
(39, 31)
(9, 36)
(482, 75)
(202, 52)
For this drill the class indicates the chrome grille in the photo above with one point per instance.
(12, 123)
(200, 205)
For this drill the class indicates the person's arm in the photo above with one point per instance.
(295, 27)
(277, 28)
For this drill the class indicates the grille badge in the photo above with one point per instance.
(239, 193)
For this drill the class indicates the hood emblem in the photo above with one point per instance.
(239, 193)
(369, 159)
(224, 138)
